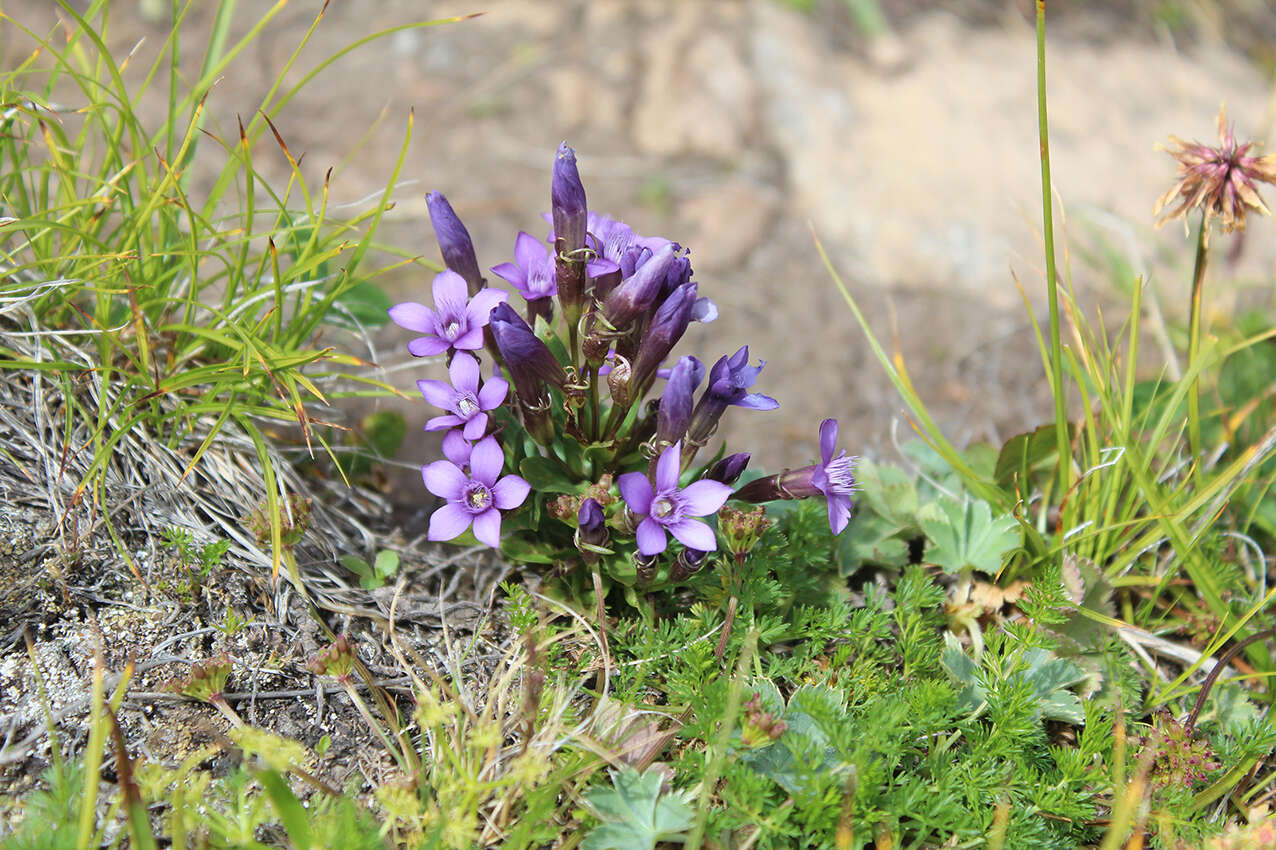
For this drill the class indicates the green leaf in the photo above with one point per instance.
(963, 535)
(1027, 455)
(545, 476)
(634, 813)
(362, 305)
(386, 564)
(871, 539)
(1051, 677)
(356, 565)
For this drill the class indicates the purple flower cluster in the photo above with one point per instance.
(625, 301)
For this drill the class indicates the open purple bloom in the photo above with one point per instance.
(474, 499)
(666, 507)
(729, 382)
(463, 397)
(454, 241)
(532, 272)
(456, 322)
(833, 478)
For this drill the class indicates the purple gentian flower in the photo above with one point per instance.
(456, 322)
(666, 507)
(454, 241)
(729, 381)
(468, 403)
(833, 479)
(473, 499)
(532, 272)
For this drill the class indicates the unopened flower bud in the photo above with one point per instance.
(677, 400)
(687, 564)
(570, 214)
(639, 291)
(531, 365)
(454, 242)
(667, 327)
(729, 469)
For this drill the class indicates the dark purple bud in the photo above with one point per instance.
(729, 469)
(636, 294)
(567, 199)
(591, 526)
(667, 327)
(645, 566)
(454, 242)
(761, 490)
(570, 215)
(676, 403)
(532, 367)
(687, 564)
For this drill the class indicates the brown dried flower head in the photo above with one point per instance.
(1221, 180)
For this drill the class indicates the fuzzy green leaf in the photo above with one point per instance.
(634, 814)
(963, 535)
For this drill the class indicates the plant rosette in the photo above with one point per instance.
(572, 429)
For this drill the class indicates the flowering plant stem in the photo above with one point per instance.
(1047, 213)
(1194, 345)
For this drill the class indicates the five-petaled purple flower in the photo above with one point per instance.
(469, 404)
(456, 322)
(532, 272)
(667, 507)
(475, 498)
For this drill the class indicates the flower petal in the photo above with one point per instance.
(444, 479)
(487, 528)
(694, 534)
(704, 497)
(449, 294)
(448, 522)
(481, 305)
(839, 513)
(471, 340)
(757, 401)
(438, 393)
(442, 423)
(828, 439)
(475, 427)
(668, 467)
(456, 448)
(414, 317)
(486, 461)
(493, 393)
(510, 492)
(636, 491)
(528, 250)
(512, 274)
(651, 536)
(427, 346)
(464, 372)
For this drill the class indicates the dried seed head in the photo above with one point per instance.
(1221, 180)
